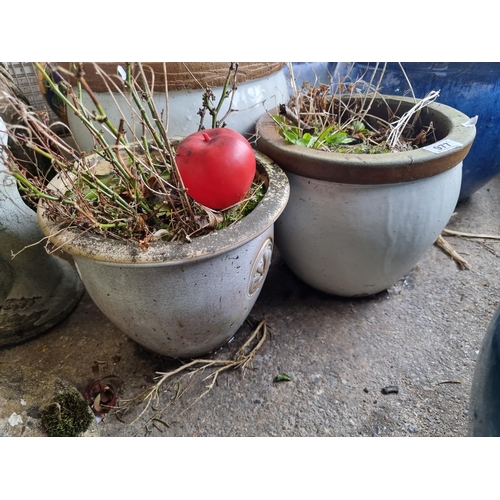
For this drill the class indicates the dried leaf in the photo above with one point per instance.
(101, 395)
(158, 235)
(214, 218)
(107, 396)
(143, 244)
(210, 220)
(178, 391)
(97, 405)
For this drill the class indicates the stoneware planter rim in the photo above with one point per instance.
(118, 252)
(385, 168)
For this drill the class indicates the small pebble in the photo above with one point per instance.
(390, 389)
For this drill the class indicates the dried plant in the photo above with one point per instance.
(173, 380)
(337, 117)
(132, 190)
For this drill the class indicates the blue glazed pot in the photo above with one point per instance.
(484, 408)
(472, 88)
(312, 72)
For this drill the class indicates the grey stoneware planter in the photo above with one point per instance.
(37, 290)
(357, 223)
(181, 299)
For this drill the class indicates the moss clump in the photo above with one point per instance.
(67, 415)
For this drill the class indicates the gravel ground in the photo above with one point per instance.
(418, 340)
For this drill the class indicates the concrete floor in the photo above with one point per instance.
(421, 336)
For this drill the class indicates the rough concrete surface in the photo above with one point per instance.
(421, 336)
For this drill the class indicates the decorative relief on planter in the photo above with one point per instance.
(260, 267)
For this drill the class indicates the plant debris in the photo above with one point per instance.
(215, 367)
(102, 395)
(337, 118)
(444, 245)
(472, 235)
(132, 189)
(282, 377)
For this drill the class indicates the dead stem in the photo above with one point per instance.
(443, 244)
(471, 235)
(14, 255)
(242, 358)
(344, 107)
(290, 115)
(143, 192)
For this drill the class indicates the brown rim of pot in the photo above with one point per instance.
(180, 75)
(118, 252)
(387, 168)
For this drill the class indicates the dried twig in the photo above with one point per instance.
(442, 243)
(340, 116)
(470, 235)
(243, 357)
(143, 191)
(399, 125)
(290, 115)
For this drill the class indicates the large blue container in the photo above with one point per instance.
(312, 72)
(473, 88)
(484, 407)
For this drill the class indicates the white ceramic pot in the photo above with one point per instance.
(355, 224)
(350, 239)
(260, 87)
(181, 299)
(37, 290)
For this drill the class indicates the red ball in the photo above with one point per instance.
(217, 166)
